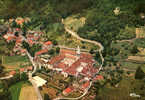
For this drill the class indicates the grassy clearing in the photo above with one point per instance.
(13, 59)
(120, 93)
(74, 23)
(13, 62)
(15, 90)
(132, 66)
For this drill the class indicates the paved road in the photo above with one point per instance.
(85, 40)
(90, 41)
(39, 97)
(32, 61)
(35, 68)
(6, 77)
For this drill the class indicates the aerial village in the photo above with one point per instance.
(72, 50)
(70, 73)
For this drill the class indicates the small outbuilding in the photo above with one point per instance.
(39, 81)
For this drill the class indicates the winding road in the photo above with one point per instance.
(74, 34)
(39, 96)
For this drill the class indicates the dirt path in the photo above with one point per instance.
(130, 40)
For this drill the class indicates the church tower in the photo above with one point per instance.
(78, 51)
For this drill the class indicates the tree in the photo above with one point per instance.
(3, 29)
(1, 68)
(46, 97)
(139, 73)
(16, 78)
(57, 50)
(16, 34)
(134, 50)
(51, 52)
(4, 92)
(34, 49)
(54, 42)
(92, 51)
(24, 77)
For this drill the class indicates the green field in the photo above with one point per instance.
(15, 90)
(120, 93)
(14, 59)
(13, 62)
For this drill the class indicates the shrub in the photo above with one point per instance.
(139, 73)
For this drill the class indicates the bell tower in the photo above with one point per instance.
(78, 51)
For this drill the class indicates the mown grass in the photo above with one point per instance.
(15, 90)
(13, 62)
(13, 59)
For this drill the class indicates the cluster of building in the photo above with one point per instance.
(45, 47)
(68, 62)
(32, 37)
(21, 70)
(19, 20)
(83, 85)
(74, 63)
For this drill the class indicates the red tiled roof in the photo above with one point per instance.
(23, 50)
(85, 70)
(41, 52)
(68, 90)
(56, 59)
(19, 40)
(86, 55)
(30, 41)
(12, 73)
(10, 32)
(72, 69)
(61, 65)
(19, 21)
(99, 77)
(88, 70)
(29, 68)
(70, 56)
(22, 69)
(65, 51)
(11, 38)
(85, 85)
(48, 43)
